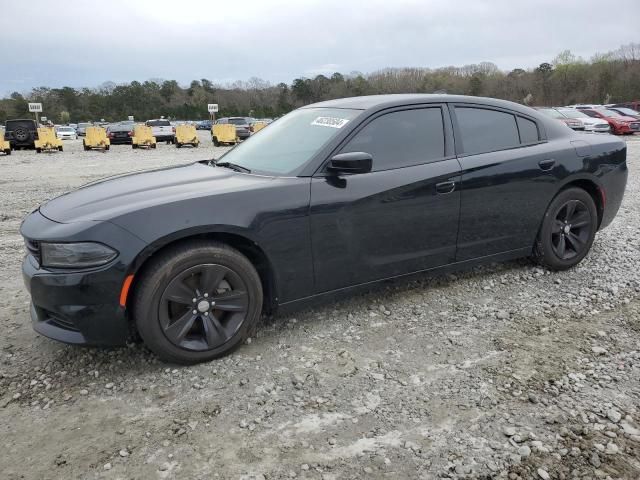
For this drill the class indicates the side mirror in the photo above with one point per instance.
(352, 162)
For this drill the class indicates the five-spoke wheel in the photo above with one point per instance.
(568, 230)
(197, 301)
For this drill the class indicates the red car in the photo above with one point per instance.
(620, 124)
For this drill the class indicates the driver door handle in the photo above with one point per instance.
(445, 187)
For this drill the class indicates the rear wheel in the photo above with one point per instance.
(133, 145)
(568, 230)
(8, 151)
(197, 302)
(216, 143)
(38, 150)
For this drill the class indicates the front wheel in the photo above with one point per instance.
(197, 302)
(568, 230)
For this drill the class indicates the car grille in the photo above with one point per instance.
(33, 247)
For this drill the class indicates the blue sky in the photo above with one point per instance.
(79, 43)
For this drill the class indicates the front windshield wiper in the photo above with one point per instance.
(232, 166)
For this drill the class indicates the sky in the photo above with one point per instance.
(80, 43)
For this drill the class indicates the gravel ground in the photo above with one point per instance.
(507, 371)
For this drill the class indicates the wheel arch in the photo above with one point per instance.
(592, 187)
(241, 241)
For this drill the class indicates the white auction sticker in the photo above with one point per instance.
(332, 122)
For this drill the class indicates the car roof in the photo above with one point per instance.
(393, 100)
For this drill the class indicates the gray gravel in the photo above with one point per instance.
(507, 371)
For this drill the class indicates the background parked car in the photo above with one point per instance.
(162, 130)
(243, 129)
(634, 105)
(120, 133)
(573, 123)
(590, 124)
(82, 129)
(627, 112)
(620, 124)
(66, 133)
(204, 125)
(21, 133)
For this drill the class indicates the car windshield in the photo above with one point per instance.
(573, 113)
(65, 129)
(238, 121)
(290, 142)
(550, 112)
(83, 125)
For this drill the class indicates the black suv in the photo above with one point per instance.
(21, 133)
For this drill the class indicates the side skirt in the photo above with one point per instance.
(341, 293)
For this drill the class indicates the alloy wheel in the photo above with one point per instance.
(203, 307)
(571, 230)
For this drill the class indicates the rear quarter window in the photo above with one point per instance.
(528, 131)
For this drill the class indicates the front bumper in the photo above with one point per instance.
(79, 306)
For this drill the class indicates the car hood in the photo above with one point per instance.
(115, 196)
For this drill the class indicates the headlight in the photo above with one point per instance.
(75, 255)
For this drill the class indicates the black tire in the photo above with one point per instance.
(8, 151)
(107, 147)
(216, 143)
(38, 150)
(194, 342)
(178, 145)
(568, 229)
(60, 149)
(154, 145)
(133, 145)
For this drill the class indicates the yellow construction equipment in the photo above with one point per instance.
(257, 126)
(186, 135)
(143, 137)
(96, 137)
(5, 147)
(224, 133)
(47, 140)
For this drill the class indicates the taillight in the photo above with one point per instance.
(110, 135)
(130, 134)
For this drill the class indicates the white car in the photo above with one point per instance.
(591, 124)
(66, 133)
(162, 130)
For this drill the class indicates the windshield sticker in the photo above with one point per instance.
(332, 122)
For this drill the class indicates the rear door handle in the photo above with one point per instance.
(445, 187)
(546, 164)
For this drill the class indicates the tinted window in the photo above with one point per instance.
(486, 130)
(238, 121)
(158, 123)
(400, 139)
(292, 141)
(528, 131)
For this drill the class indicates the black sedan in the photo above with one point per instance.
(120, 133)
(330, 199)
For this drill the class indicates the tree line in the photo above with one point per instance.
(606, 77)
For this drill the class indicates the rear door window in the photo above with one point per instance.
(484, 130)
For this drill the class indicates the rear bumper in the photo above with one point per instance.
(120, 141)
(614, 184)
